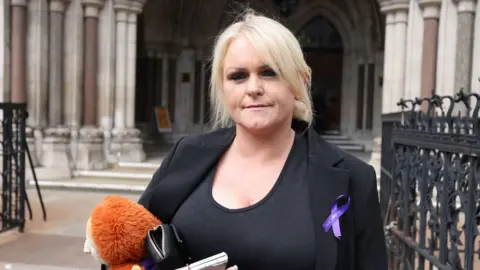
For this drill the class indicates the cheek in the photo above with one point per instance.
(233, 96)
(286, 100)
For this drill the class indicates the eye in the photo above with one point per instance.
(238, 75)
(268, 72)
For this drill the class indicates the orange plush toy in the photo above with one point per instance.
(116, 232)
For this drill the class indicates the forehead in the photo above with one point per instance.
(242, 53)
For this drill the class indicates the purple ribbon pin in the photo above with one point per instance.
(332, 220)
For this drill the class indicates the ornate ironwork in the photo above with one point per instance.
(13, 166)
(430, 183)
(13, 149)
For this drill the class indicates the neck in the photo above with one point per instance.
(264, 146)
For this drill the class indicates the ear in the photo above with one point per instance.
(306, 78)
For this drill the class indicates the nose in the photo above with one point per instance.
(254, 86)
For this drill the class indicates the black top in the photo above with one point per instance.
(275, 233)
(330, 172)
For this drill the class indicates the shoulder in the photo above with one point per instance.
(355, 165)
(362, 175)
(340, 158)
(217, 137)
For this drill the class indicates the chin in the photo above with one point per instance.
(257, 126)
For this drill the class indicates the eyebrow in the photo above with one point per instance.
(242, 68)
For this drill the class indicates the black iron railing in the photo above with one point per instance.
(13, 185)
(13, 166)
(430, 183)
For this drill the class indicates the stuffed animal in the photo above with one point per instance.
(116, 231)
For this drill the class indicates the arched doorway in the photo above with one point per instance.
(323, 48)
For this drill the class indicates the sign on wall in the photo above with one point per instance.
(162, 118)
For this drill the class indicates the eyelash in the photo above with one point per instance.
(241, 75)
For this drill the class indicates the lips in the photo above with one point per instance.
(257, 106)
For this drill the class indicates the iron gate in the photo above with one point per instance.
(13, 196)
(430, 184)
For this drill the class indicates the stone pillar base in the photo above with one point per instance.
(90, 154)
(32, 148)
(126, 145)
(56, 148)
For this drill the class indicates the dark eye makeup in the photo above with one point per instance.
(237, 75)
(243, 74)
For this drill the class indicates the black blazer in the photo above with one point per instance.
(331, 173)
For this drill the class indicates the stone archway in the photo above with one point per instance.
(323, 48)
(342, 20)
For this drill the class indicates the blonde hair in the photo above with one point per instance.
(281, 51)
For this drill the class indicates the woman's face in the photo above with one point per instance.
(256, 97)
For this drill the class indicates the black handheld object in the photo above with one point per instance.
(165, 248)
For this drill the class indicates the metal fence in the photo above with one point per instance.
(12, 209)
(13, 153)
(430, 183)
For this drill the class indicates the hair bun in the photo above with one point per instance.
(300, 110)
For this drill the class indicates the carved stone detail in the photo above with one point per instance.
(56, 148)
(90, 150)
(126, 145)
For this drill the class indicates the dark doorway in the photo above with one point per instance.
(323, 49)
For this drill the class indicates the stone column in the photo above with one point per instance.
(19, 51)
(204, 93)
(135, 9)
(55, 144)
(388, 59)
(4, 50)
(55, 74)
(121, 17)
(73, 68)
(165, 78)
(90, 152)
(393, 65)
(183, 122)
(90, 62)
(18, 64)
(464, 48)
(431, 14)
(126, 142)
(159, 82)
(399, 53)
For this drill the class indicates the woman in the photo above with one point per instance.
(256, 188)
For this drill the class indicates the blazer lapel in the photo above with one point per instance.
(327, 182)
(188, 170)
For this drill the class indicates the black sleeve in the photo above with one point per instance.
(157, 177)
(370, 245)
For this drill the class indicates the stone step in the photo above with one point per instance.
(335, 137)
(114, 174)
(152, 165)
(352, 147)
(94, 184)
(344, 142)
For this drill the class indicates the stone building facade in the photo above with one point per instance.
(92, 71)
(430, 44)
